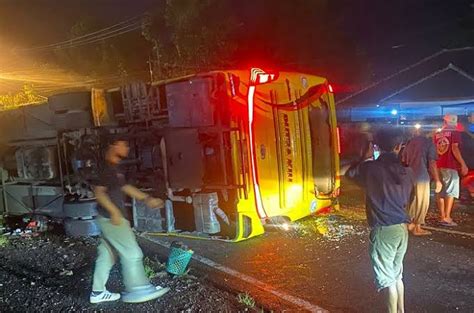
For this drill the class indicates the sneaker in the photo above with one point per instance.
(104, 296)
(145, 293)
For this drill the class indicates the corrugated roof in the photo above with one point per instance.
(447, 74)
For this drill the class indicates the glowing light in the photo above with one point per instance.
(331, 90)
(439, 129)
(394, 112)
(417, 126)
(253, 156)
(338, 140)
(254, 72)
(259, 76)
(263, 78)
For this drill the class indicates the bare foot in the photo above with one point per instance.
(411, 227)
(422, 232)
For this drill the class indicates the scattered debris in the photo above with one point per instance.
(26, 225)
(66, 273)
(330, 227)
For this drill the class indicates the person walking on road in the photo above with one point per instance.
(420, 154)
(388, 185)
(118, 238)
(447, 143)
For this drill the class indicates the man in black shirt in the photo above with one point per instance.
(388, 187)
(117, 235)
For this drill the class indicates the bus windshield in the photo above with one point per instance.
(321, 145)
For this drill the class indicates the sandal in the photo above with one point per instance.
(448, 224)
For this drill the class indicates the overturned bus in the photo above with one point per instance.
(229, 151)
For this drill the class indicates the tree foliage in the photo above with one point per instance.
(189, 36)
(27, 95)
(197, 35)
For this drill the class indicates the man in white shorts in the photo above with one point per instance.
(447, 143)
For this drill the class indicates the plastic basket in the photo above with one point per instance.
(178, 260)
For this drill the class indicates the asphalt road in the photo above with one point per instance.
(323, 261)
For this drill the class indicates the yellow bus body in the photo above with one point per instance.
(283, 148)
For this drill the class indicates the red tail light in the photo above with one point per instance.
(258, 76)
(253, 155)
(338, 140)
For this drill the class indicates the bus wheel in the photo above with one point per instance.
(80, 209)
(81, 227)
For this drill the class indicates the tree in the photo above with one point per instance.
(189, 36)
(27, 95)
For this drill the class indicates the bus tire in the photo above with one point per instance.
(81, 227)
(80, 209)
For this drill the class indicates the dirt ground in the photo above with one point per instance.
(53, 273)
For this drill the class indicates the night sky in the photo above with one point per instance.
(326, 36)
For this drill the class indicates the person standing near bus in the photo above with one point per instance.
(447, 143)
(388, 186)
(420, 154)
(118, 238)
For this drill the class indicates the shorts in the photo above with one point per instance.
(450, 180)
(388, 245)
(420, 202)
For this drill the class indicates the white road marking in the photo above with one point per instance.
(261, 285)
(449, 231)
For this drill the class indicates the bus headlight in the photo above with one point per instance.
(314, 206)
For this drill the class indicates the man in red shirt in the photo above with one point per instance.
(447, 143)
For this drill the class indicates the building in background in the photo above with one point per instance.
(421, 93)
(439, 84)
